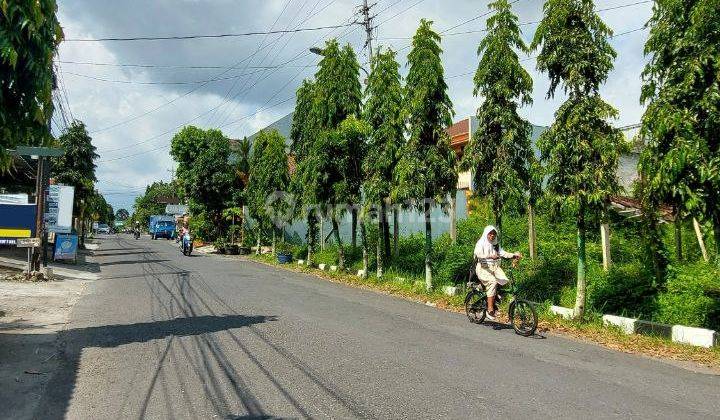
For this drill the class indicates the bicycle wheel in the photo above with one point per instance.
(475, 306)
(523, 318)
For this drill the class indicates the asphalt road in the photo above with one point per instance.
(167, 336)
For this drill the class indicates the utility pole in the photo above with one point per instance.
(367, 23)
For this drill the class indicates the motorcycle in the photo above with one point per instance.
(186, 245)
(137, 234)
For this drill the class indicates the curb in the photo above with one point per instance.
(700, 337)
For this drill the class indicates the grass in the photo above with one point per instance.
(592, 330)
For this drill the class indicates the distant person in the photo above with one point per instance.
(487, 258)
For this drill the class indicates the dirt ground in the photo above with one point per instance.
(31, 314)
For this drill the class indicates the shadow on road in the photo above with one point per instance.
(130, 262)
(59, 391)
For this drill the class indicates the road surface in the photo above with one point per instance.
(166, 336)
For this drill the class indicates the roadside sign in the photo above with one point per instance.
(28, 242)
(66, 247)
(39, 151)
(58, 208)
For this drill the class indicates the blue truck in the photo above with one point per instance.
(162, 227)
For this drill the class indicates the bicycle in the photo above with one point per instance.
(522, 313)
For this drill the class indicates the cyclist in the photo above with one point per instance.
(487, 257)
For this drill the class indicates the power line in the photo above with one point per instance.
(161, 66)
(186, 82)
(228, 35)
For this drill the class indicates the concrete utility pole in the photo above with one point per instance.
(367, 23)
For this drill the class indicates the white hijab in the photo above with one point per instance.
(484, 247)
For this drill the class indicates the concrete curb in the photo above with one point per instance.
(57, 271)
(700, 337)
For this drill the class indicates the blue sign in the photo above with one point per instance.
(66, 247)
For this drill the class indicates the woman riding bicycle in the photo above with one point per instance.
(487, 257)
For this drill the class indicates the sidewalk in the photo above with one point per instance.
(85, 270)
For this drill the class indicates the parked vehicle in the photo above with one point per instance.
(103, 228)
(161, 227)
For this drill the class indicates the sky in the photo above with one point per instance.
(134, 96)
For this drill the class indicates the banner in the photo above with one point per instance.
(66, 247)
(16, 221)
(59, 208)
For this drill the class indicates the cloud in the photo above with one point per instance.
(245, 98)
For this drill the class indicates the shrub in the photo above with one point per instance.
(692, 296)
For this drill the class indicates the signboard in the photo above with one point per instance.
(59, 208)
(14, 198)
(28, 242)
(16, 221)
(66, 247)
(176, 209)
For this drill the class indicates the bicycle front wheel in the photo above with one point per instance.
(523, 317)
(475, 306)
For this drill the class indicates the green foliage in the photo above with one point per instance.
(147, 204)
(500, 155)
(383, 111)
(76, 167)
(204, 171)
(29, 36)
(122, 215)
(202, 227)
(268, 174)
(429, 112)
(692, 296)
(338, 93)
(99, 209)
(681, 125)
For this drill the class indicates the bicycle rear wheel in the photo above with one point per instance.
(475, 306)
(523, 317)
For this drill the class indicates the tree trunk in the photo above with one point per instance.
(341, 252)
(353, 235)
(363, 239)
(605, 240)
(453, 218)
(701, 240)
(312, 227)
(716, 234)
(274, 230)
(531, 232)
(386, 229)
(678, 237)
(579, 310)
(396, 231)
(379, 269)
(257, 251)
(428, 247)
(322, 234)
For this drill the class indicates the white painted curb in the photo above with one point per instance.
(361, 274)
(322, 267)
(627, 325)
(333, 268)
(301, 262)
(563, 312)
(695, 336)
(450, 290)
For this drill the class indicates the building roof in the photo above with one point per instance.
(282, 125)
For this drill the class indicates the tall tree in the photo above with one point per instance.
(500, 154)
(383, 112)
(303, 131)
(334, 160)
(148, 204)
(426, 169)
(580, 150)
(268, 175)
(681, 125)
(204, 172)
(76, 167)
(29, 37)
(338, 95)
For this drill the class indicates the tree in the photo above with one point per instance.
(147, 204)
(580, 150)
(76, 167)
(500, 153)
(338, 95)
(204, 172)
(426, 169)
(334, 158)
(383, 112)
(680, 164)
(268, 176)
(305, 127)
(29, 37)
(122, 215)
